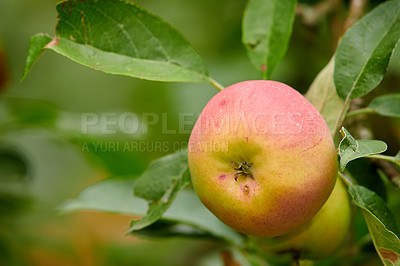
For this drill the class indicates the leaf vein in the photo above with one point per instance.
(387, 29)
(74, 28)
(126, 34)
(155, 38)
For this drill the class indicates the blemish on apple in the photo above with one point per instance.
(246, 189)
(222, 177)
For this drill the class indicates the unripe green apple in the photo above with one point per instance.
(261, 158)
(321, 236)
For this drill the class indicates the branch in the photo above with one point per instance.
(312, 15)
(356, 11)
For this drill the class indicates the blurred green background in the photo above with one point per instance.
(45, 159)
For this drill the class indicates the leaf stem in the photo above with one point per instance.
(362, 111)
(216, 84)
(346, 179)
(341, 115)
(392, 159)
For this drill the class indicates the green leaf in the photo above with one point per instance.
(163, 228)
(364, 52)
(188, 209)
(114, 194)
(160, 184)
(161, 175)
(122, 38)
(386, 105)
(381, 224)
(322, 94)
(267, 26)
(351, 149)
(36, 46)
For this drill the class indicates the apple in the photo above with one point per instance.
(321, 236)
(261, 158)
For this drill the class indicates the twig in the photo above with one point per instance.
(312, 15)
(356, 11)
(341, 116)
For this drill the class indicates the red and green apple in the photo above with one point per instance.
(261, 158)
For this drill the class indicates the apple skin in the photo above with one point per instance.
(321, 236)
(275, 144)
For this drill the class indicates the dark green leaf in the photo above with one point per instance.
(364, 52)
(386, 105)
(267, 26)
(322, 94)
(157, 208)
(161, 175)
(114, 194)
(351, 149)
(160, 184)
(122, 38)
(370, 201)
(36, 46)
(381, 224)
(164, 228)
